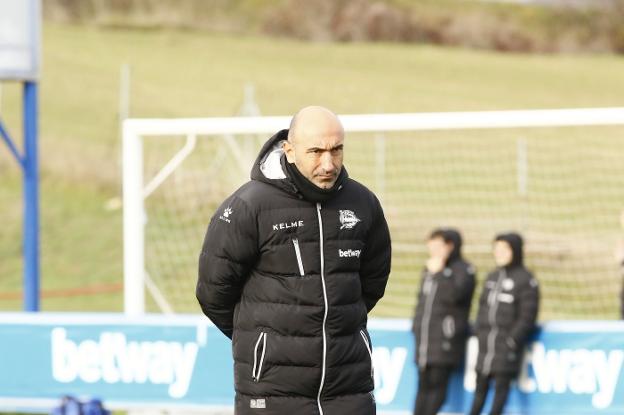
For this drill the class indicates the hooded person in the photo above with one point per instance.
(440, 324)
(507, 315)
(291, 264)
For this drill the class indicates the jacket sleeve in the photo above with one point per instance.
(465, 281)
(481, 322)
(375, 264)
(229, 251)
(416, 320)
(528, 306)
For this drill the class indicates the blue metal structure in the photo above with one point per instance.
(29, 163)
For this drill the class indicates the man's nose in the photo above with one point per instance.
(327, 163)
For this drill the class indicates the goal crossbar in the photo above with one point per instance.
(385, 122)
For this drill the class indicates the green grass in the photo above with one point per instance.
(80, 245)
(198, 74)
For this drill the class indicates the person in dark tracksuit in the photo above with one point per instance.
(292, 263)
(507, 315)
(440, 324)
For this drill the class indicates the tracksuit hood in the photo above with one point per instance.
(453, 236)
(516, 243)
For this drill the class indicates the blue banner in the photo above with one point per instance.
(185, 362)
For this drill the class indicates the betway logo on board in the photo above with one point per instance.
(114, 359)
(579, 371)
(389, 364)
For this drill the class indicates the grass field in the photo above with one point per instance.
(198, 74)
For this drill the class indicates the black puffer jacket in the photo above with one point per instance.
(508, 310)
(441, 319)
(291, 282)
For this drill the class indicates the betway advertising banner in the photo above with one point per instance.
(185, 362)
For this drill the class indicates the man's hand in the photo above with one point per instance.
(435, 264)
(439, 252)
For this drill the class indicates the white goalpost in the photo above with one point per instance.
(555, 175)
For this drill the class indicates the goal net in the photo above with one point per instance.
(556, 176)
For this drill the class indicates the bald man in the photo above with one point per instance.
(291, 265)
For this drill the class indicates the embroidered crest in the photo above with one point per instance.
(348, 220)
(226, 214)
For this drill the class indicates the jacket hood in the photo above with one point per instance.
(268, 165)
(452, 235)
(516, 243)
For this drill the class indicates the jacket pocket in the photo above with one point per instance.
(259, 352)
(295, 242)
(370, 351)
(448, 327)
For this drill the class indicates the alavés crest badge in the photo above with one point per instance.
(348, 220)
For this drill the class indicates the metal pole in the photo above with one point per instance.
(124, 93)
(31, 198)
(133, 223)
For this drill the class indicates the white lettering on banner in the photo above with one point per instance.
(388, 370)
(608, 370)
(581, 371)
(470, 377)
(577, 371)
(113, 359)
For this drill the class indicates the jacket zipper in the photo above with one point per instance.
(424, 329)
(370, 351)
(491, 340)
(320, 222)
(258, 364)
(295, 242)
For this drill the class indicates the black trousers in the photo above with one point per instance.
(501, 391)
(432, 387)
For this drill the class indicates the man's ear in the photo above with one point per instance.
(289, 150)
